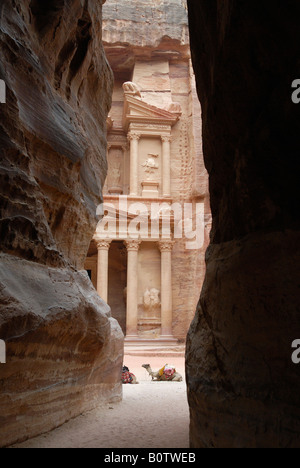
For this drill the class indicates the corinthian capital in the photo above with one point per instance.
(166, 139)
(133, 136)
(166, 245)
(103, 244)
(132, 245)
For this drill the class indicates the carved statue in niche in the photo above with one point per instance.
(151, 299)
(115, 175)
(151, 165)
(114, 182)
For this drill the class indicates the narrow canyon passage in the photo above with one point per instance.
(73, 129)
(151, 415)
(101, 105)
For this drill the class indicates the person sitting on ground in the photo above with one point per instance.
(128, 377)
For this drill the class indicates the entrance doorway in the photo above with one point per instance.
(117, 282)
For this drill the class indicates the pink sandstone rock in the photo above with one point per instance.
(64, 351)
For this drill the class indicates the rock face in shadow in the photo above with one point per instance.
(64, 351)
(244, 390)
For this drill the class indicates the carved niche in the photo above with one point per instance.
(115, 182)
(150, 314)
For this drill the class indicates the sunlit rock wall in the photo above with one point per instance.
(64, 351)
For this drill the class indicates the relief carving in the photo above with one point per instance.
(115, 166)
(115, 175)
(150, 164)
(132, 89)
(151, 299)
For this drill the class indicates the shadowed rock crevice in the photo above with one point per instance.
(83, 39)
(45, 14)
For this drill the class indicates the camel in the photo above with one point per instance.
(164, 375)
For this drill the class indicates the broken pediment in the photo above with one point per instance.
(138, 111)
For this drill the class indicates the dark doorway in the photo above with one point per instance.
(117, 282)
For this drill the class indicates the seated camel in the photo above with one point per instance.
(166, 374)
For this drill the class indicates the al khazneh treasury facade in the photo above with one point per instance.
(147, 258)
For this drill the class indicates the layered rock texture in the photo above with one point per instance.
(244, 390)
(156, 29)
(64, 351)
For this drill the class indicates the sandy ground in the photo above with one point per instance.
(151, 415)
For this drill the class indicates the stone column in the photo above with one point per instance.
(132, 289)
(134, 159)
(166, 247)
(102, 268)
(166, 165)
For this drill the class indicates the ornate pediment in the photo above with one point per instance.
(137, 111)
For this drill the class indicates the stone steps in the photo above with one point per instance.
(163, 351)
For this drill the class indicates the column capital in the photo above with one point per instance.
(166, 245)
(166, 138)
(103, 244)
(133, 136)
(132, 245)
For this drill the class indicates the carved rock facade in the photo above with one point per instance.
(156, 168)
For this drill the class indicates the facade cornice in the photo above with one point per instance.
(139, 112)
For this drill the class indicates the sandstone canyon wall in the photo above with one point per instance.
(244, 390)
(64, 351)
